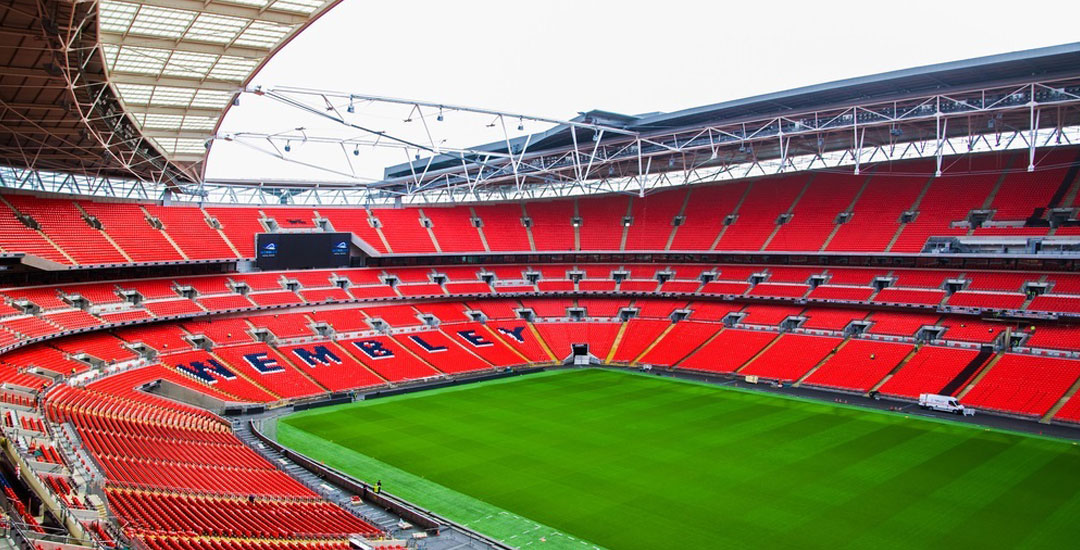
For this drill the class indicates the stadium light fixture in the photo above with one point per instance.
(440, 117)
(288, 146)
(356, 151)
(521, 124)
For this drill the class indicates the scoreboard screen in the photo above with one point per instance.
(302, 250)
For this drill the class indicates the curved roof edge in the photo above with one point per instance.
(131, 88)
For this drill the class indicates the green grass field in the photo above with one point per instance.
(626, 461)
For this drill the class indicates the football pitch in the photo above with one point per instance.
(584, 458)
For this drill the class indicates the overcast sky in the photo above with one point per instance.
(558, 57)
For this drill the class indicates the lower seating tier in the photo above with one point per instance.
(176, 472)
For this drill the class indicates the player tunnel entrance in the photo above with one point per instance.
(579, 354)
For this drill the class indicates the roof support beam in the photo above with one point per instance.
(174, 81)
(183, 46)
(41, 131)
(172, 110)
(174, 134)
(232, 10)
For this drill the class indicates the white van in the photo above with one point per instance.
(944, 403)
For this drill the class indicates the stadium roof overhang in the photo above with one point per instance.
(1029, 98)
(130, 88)
(1019, 100)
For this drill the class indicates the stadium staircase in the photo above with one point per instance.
(895, 370)
(1074, 189)
(789, 212)
(654, 343)
(1061, 402)
(675, 228)
(734, 212)
(1065, 192)
(757, 355)
(819, 364)
(849, 211)
(615, 345)
(969, 383)
(543, 344)
(703, 344)
(52, 246)
(382, 237)
(913, 208)
(430, 232)
(969, 372)
(480, 229)
(989, 201)
(157, 224)
(105, 234)
(216, 225)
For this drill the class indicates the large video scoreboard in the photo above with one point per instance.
(302, 250)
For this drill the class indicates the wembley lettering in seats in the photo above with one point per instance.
(374, 349)
(320, 355)
(473, 338)
(206, 371)
(263, 363)
(430, 348)
(516, 333)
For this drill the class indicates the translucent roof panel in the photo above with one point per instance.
(177, 65)
(261, 34)
(216, 28)
(150, 21)
(298, 6)
(180, 146)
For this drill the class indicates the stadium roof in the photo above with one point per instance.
(991, 71)
(136, 90)
(131, 87)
